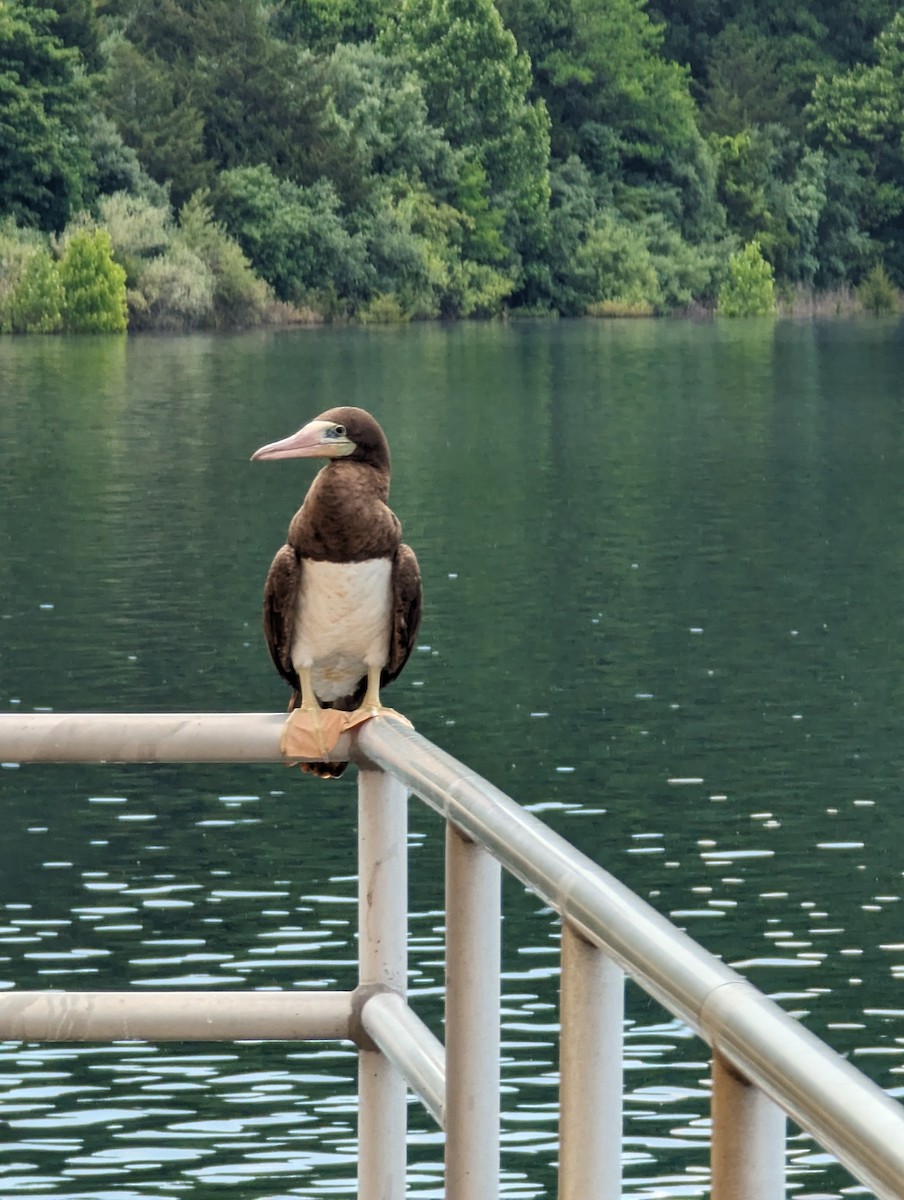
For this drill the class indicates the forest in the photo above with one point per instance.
(181, 164)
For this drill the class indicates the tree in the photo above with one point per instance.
(599, 65)
(202, 86)
(476, 84)
(94, 286)
(44, 164)
(380, 103)
(622, 108)
(164, 127)
(775, 189)
(76, 24)
(858, 115)
(294, 236)
(321, 25)
(36, 302)
(877, 293)
(749, 289)
(238, 297)
(745, 85)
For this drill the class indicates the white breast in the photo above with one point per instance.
(342, 624)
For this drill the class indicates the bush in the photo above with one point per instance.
(619, 308)
(615, 264)
(94, 286)
(877, 293)
(239, 297)
(749, 289)
(35, 303)
(476, 290)
(16, 248)
(138, 230)
(384, 309)
(175, 291)
(295, 237)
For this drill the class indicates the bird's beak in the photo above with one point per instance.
(317, 439)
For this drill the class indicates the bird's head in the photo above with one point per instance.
(337, 433)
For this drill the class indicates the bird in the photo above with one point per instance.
(343, 597)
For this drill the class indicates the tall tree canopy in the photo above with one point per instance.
(374, 158)
(45, 168)
(477, 84)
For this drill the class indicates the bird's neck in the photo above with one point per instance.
(342, 482)
(345, 516)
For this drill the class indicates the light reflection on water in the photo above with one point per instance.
(709, 706)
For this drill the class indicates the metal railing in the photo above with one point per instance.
(765, 1064)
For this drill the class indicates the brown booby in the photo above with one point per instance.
(342, 601)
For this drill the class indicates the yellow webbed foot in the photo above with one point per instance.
(313, 735)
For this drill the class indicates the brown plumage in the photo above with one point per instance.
(345, 519)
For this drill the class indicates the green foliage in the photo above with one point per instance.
(685, 271)
(17, 245)
(596, 256)
(476, 84)
(380, 105)
(295, 236)
(175, 292)
(396, 159)
(613, 99)
(138, 230)
(877, 293)
(31, 295)
(614, 263)
(858, 115)
(745, 83)
(775, 189)
(239, 298)
(162, 124)
(44, 164)
(204, 87)
(36, 302)
(76, 24)
(321, 25)
(384, 308)
(115, 166)
(94, 286)
(749, 288)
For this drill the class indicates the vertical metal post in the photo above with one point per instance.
(383, 959)
(748, 1139)
(591, 1012)
(473, 943)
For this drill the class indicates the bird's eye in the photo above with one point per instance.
(338, 431)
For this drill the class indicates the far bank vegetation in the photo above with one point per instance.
(229, 163)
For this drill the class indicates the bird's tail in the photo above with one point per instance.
(324, 770)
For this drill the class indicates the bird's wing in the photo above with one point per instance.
(406, 610)
(280, 606)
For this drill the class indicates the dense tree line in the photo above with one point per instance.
(388, 159)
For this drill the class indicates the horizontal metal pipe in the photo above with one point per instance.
(146, 737)
(410, 1046)
(807, 1079)
(174, 1016)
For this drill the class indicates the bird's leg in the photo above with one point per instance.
(371, 702)
(310, 706)
(371, 697)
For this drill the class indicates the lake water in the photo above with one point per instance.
(664, 577)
